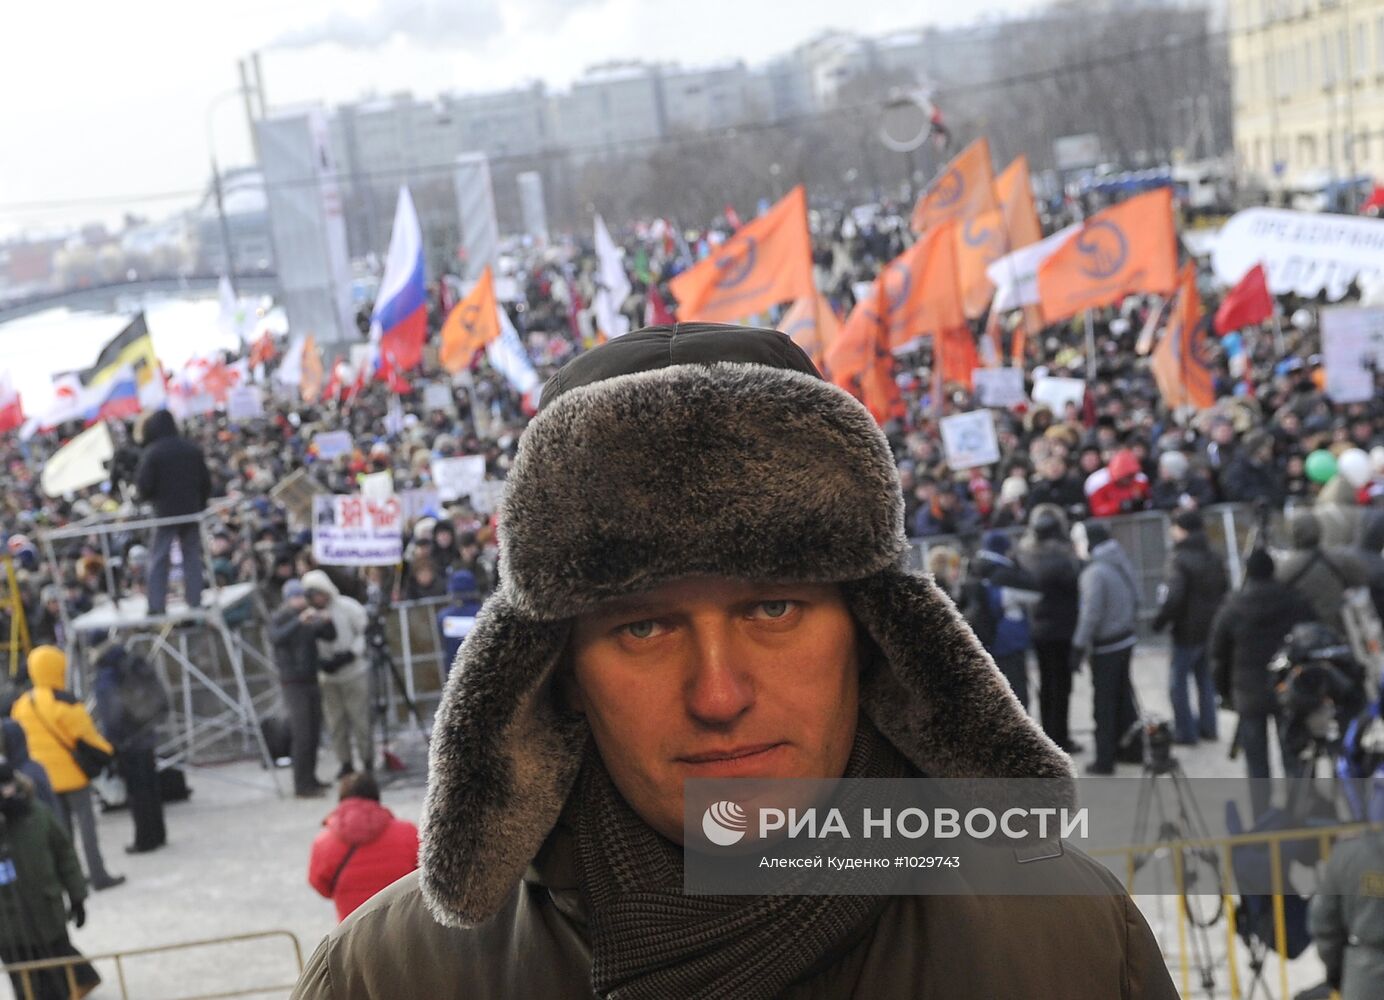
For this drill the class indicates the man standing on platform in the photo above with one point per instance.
(173, 476)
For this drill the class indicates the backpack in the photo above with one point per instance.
(143, 700)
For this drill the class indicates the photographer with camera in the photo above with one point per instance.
(344, 672)
(1245, 636)
(295, 630)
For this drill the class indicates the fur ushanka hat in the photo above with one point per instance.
(678, 451)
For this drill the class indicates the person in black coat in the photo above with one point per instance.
(1047, 554)
(1193, 587)
(294, 629)
(996, 599)
(1246, 634)
(135, 738)
(173, 476)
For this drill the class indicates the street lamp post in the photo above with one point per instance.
(216, 184)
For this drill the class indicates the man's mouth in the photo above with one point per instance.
(747, 752)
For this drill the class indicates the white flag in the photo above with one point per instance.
(612, 285)
(290, 370)
(506, 353)
(1015, 275)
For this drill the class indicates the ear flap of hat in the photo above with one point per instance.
(503, 757)
(938, 696)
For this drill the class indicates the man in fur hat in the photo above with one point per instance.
(700, 566)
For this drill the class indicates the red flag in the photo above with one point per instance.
(1248, 303)
(11, 408)
(262, 350)
(656, 312)
(732, 216)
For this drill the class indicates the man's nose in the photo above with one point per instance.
(720, 684)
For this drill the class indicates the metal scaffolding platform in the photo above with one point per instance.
(213, 658)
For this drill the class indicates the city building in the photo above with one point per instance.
(1308, 83)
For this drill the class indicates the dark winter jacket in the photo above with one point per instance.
(996, 600)
(385, 850)
(1246, 635)
(114, 670)
(17, 753)
(1051, 560)
(295, 645)
(1193, 587)
(172, 473)
(1246, 481)
(1347, 918)
(1371, 544)
(46, 868)
(1322, 575)
(1065, 493)
(1097, 947)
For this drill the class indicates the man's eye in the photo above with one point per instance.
(776, 609)
(640, 630)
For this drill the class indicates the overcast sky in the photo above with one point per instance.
(106, 102)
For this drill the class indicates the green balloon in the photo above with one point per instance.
(1321, 466)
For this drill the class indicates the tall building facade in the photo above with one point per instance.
(1308, 81)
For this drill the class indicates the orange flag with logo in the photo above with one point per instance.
(921, 290)
(1014, 191)
(963, 189)
(472, 323)
(310, 381)
(765, 263)
(860, 361)
(979, 243)
(1183, 377)
(1129, 248)
(812, 325)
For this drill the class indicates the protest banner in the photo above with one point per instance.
(486, 497)
(969, 440)
(419, 503)
(354, 531)
(1055, 393)
(457, 477)
(1352, 351)
(295, 492)
(244, 402)
(332, 444)
(377, 485)
(999, 387)
(438, 396)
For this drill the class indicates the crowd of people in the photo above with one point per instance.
(1046, 578)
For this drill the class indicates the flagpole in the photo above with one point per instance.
(1090, 347)
(1277, 333)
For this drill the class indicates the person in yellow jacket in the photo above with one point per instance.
(53, 721)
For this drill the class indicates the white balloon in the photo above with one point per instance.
(1354, 466)
(1377, 459)
(1302, 319)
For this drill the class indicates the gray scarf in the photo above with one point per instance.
(650, 940)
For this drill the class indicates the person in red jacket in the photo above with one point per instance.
(1119, 488)
(362, 848)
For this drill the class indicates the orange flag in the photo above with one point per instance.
(979, 243)
(1014, 191)
(1131, 247)
(812, 325)
(765, 263)
(472, 323)
(921, 292)
(1183, 377)
(860, 361)
(963, 189)
(310, 382)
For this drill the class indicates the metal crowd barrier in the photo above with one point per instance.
(24, 970)
(1175, 848)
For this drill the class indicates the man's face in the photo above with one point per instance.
(319, 598)
(711, 677)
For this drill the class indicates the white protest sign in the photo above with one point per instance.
(417, 503)
(456, 477)
(999, 387)
(969, 439)
(485, 498)
(79, 463)
(1055, 393)
(1302, 252)
(332, 444)
(245, 402)
(377, 485)
(354, 531)
(438, 396)
(1352, 350)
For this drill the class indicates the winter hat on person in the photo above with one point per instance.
(462, 583)
(1096, 534)
(697, 449)
(48, 667)
(292, 588)
(423, 530)
(996, 542)
(1173, 464)
(1259, 565)
(1013, 490)
(1190, 521)
(317, 581)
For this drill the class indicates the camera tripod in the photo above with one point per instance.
(383, 669)
(1164, 792)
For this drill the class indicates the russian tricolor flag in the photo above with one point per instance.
(399, 324)
(116, 398)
